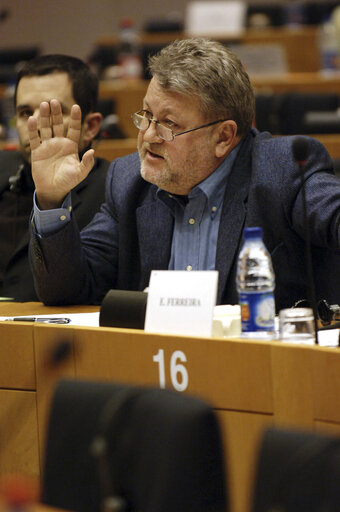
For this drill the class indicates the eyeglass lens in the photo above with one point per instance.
(142, 122)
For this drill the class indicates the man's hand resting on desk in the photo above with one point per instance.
(56, 168)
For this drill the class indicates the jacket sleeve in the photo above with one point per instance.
(70, 267)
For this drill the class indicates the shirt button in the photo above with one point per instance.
(62, 217)
(189, 267)
(191, 221)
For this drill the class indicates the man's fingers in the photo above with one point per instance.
(33, 132)
(74, 127)
(51, 124)
(87, 162)
(57, 118)
(45, 121)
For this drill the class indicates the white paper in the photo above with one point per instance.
(216, 18)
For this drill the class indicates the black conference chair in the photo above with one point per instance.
(134, 448)
(297, 472)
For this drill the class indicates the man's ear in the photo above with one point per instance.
(91, 124)
(227, 138)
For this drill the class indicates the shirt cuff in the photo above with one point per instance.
(48, 222)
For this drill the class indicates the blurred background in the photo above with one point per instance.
(74, 26)
(290, 48)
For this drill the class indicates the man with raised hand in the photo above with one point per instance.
(202, 173)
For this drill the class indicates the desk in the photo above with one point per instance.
(314, 82)
(300, 44)
(251, 384)
(114, 148)
(128, 95)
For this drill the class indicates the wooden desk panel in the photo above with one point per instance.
(128, 96)
(19, 448)
(331, 142)
(49, 370)
(250, 384)
(114, 148)
(326, 385)
(226, 373)
(292, 385)
(241, 434)
(300, 44)
(21, 367)
(234, 376)
(37, 308)
(313, 82)
(17, 368)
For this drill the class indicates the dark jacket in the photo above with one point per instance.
(86, 200)
(263, 189)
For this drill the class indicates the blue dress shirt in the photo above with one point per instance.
(197, 220)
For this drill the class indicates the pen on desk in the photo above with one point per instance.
(41, 319)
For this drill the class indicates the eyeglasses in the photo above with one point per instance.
(142, 120)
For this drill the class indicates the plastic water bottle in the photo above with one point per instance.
(129, 55)
(295, 14)
(328, 44)
(255, 284)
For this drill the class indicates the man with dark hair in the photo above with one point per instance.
(202, 174)
(68, 80)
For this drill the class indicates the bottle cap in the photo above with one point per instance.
(126, 23)
(252, 233)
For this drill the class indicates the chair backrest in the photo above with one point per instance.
(156, 450)
(297, 472)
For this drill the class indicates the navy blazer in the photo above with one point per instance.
(263, 189)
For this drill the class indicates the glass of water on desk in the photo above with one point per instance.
(297, 326)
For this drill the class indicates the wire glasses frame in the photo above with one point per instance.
(142, 122)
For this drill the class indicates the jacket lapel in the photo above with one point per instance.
(233, 218)
(155, 243)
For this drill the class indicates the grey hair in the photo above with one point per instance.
(212, 72)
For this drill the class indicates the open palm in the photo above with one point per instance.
(56, 167)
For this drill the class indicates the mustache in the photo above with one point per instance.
(147, 147)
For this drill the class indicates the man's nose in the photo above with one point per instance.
(150, 134)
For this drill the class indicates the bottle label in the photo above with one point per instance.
(257, 311)
(330, 59)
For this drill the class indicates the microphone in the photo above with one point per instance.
(14, 182)
(300, 150)
(112, 497)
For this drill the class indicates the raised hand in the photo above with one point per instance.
(56, 167)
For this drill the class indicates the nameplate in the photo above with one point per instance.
(181, 302)
(208, 18)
